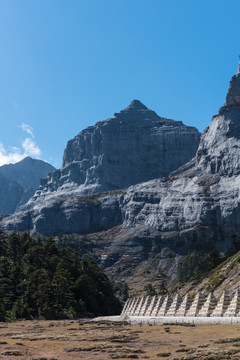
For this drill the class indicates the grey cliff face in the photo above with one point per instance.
(19, 181)
(68, 215)
(133, 146)
(202, 198)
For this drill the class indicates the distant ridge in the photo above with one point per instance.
(19, 181)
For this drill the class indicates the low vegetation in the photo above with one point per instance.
(71, 340)
(42, 280)
(207, 271)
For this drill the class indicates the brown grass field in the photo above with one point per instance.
(42, 340)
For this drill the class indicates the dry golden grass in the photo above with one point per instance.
(68, 340)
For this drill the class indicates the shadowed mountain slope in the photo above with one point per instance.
(19, 181)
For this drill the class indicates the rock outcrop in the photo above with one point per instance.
(133, 146)
(18, 182)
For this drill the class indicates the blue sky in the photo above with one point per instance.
(66, 64)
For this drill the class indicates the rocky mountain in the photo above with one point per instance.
(133, 146)
(144, 230)
(202, 197)
(18, 182)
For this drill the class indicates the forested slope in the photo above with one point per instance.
(40, 279)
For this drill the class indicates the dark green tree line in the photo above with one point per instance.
(40, 279)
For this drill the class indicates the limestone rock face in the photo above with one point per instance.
(201, 199)
(133, 146)
(19, 181)
(68, 215)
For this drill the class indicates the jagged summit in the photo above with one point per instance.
(233, 95)
(239, 65)
(135, 105)
(136, 113)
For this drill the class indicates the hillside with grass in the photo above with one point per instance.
(222, 277)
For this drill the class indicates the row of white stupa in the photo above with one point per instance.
(200, 305)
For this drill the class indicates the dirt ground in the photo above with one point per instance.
(50, 340)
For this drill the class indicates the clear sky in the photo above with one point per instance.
(66, 64)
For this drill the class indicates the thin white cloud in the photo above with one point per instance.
(15, 154)
(28, 148)
(27, 128)
(31, 149)
(12, 156)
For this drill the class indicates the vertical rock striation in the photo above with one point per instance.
(133, 146)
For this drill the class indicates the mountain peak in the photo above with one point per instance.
(26, 159)
(135, 105)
